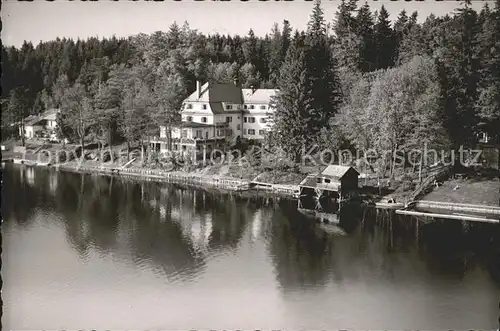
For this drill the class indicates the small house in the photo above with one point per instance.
(40, 126)
(335, 181)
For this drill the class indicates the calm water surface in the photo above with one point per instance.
(83, 252)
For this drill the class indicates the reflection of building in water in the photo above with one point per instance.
(256, 226)
(53, 181)
(30, 175)
(201, 229)
(194, 226)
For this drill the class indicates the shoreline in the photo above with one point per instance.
(194, 180)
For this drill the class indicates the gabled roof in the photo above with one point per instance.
(337, 171)
(258, 95)
(229, 93)
(193, 97)
(48, 115)
(215, 92)
(32, 120)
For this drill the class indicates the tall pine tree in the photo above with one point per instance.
(364, 29)
(291, 117)
(323, 88)
(488, 103)
(384, 41)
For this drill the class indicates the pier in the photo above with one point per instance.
(456, 211)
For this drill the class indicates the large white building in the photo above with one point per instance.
(215, 113)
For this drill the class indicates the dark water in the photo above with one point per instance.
(83, 252)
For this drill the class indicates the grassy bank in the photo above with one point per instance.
(476, 190)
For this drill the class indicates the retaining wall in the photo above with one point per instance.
(163, 176)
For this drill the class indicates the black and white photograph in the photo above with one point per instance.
(250, 165)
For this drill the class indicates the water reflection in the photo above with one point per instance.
(187, 236)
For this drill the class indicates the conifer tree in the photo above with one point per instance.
(364, 29)
(291, 117)
(488, 103)
(345, 22)
(384, 41)
(323, 88)
(346, 45)
(461, 66)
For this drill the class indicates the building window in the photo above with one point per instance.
(327, 180)
(229, 132)
(318, 180)
(238, 127)
(189, 106)
(206, 134)
(251, 120)
(229, 107)
(245, 119)
(262, 132)
(229, 119)
(263, 120)
(251, 132)
(204, 107)
(199, 134)
(262, 107)
(184, 133)
(204, 119)
(252, 107)
(189, 118)
(245, 106)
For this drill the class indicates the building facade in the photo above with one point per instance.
(217, 114)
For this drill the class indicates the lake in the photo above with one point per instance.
(94, 252)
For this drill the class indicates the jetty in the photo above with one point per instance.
(456, 211)
(289, 190)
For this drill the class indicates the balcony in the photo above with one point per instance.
(155, 139)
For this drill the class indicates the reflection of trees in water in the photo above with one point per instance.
(154, 236)
(455, 248)
(158, 221)
(20, 196)
(165, 225)
(444, 246)
(304, 255)
(301, 257)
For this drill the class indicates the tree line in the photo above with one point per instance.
(365, 83)
(390, 88)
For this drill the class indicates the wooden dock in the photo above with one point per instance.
(457, 207)
(289, 190)
(385, 205)
(460, 217)
(456, 211)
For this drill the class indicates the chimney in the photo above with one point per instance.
(198, 88)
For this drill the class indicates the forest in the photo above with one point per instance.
(363, 81)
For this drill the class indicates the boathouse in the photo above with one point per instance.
(335, 182)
